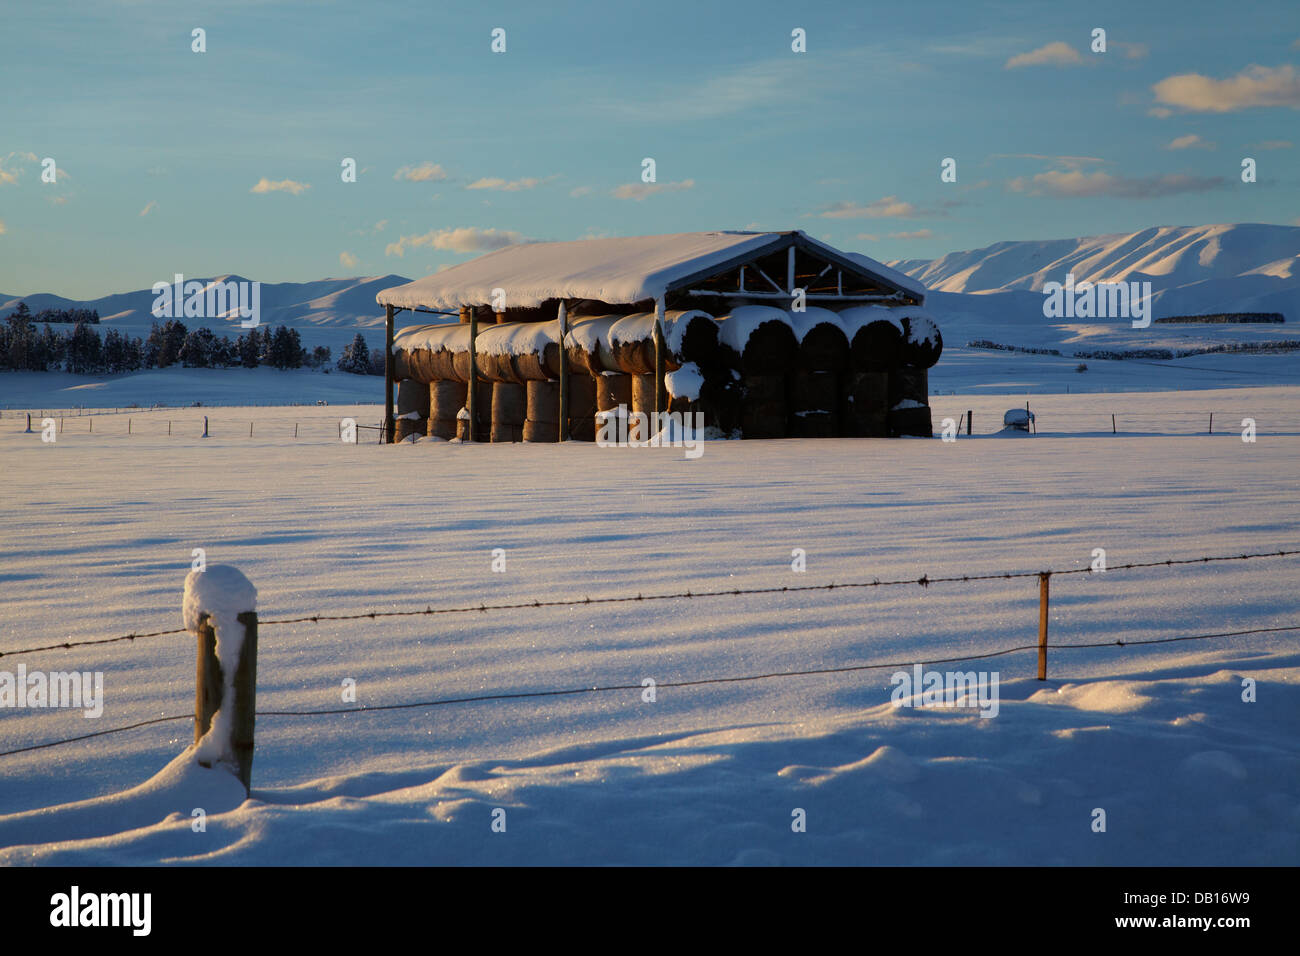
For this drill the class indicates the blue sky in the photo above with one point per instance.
(160, 150)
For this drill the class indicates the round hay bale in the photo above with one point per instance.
(693, 337)
(543, 413)
(612, 390)
(814, 425)
(911, 421)
(814, 391)
(406, 427)
(446, 398)
(877, 346)
(865, 408)
(721, 400)
(582, 407)
(509, 409)
(921, 342)
(772, 349)
(643, 401)
(909, 383)
(825, 348)
(763, 410)
(412, 396)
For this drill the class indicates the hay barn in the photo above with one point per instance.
(768, 335)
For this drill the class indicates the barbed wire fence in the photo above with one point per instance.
(924, 581)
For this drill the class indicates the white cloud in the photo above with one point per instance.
(1073, 184)
(149, 207)
(1053, 54)
(640, 191)
(511, 186)
(867, 237)
(1252, 87)
(917, 234)
(1274, 144)
(380, 226)
(426, 172)
(465, 239)
(889, 207)
(580, 191)
(265, 185)
(347, 259)
(1190, 141)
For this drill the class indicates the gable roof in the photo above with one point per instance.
(615, 270)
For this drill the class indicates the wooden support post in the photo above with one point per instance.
(1211, 423)
(169, 426)
(1112, 423)
(128, 426)
(390, 425)
(661, 367)
(1042, 624)
(295, 429)
(209, 685)
(250, 429)
(29, 423)
(970, 417)
(562, 316)
(205, 426)
(471, 400)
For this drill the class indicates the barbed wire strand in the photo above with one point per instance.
(478, 698)
(924, 581)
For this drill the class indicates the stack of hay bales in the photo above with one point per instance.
(762, 371)
(886, 392)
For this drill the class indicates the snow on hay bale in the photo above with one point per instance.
(625, 343)
(922, 343)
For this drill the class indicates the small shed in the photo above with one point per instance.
(767, 334)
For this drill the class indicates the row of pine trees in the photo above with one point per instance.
(29, 344)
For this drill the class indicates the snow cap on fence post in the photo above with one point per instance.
(220, 609)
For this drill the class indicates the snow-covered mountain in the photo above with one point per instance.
(1245, 267)
(325, 302)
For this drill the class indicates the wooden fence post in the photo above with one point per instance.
(562, 316)
(29, 423)
(205, 426)
(1042, 624)
(471, 400)
(209, 681)
(1112, 423)
(390, 425)
(970, 417)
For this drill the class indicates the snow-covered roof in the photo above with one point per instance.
(615, 270)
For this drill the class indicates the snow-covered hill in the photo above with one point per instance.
(1245, 267)
(324, 302)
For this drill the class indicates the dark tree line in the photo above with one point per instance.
(64, 316)
(28, 345)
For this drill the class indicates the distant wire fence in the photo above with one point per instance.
(186, 427)
(1128, 422)
(209, 664)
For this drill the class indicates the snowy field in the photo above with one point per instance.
(97, 539)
